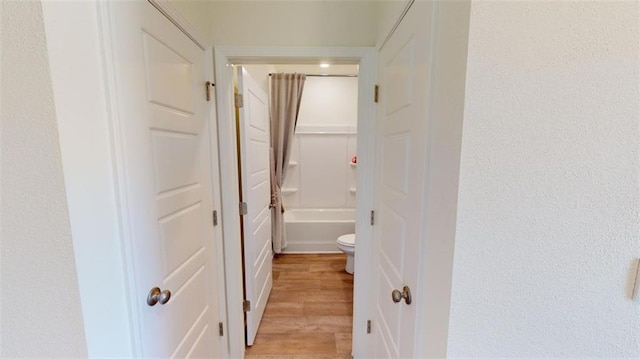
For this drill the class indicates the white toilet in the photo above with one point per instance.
(347, 244)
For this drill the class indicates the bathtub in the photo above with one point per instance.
(316, 230)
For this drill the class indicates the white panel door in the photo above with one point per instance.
(402, 143)
(256, 193)
(164, 144)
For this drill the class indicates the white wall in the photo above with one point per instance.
(549, 197)
(41, 313)
(294, 23)
(283, 23)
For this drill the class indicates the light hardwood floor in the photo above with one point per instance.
(309, 313)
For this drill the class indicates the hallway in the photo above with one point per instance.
(309, 313)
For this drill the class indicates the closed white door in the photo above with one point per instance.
(165, 164)
(256, 194)
(401, 152)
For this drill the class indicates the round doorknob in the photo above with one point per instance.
(397, 295)
(156, 296)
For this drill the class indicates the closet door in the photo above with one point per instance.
(164, 161)
(402, 153)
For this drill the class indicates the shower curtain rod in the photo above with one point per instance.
(312, 75)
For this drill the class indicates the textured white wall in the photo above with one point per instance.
(41, 314)
(549, 195)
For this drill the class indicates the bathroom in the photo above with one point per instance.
(319, 199)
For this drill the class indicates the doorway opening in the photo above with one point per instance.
(305, 190)
(304, 294)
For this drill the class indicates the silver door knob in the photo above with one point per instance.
(397, 295)
(156, 296)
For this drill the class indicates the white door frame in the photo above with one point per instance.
(86, 110)
(366, 58)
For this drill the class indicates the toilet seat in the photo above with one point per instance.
(348, 240)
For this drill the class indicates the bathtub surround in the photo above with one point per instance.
(321, 173)
(320, 190)
(284, 105)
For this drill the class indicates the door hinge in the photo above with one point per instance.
(368, 326)
(239, 100)
(376, 93)
(208, 85)
(215, 218)
(243, 208)
(246, 306)
(372, 218)
(221, 329)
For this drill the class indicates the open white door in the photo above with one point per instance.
(402, 146)
(255, 194)
(164, 162)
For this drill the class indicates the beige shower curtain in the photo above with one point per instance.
(285, 96)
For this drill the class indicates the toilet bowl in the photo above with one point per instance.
(347, 244)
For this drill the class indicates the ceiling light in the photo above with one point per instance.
(324, 66)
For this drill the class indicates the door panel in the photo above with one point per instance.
(166, 160)
(169, 75)
(402, 141)
(169, 148)
(256, 192)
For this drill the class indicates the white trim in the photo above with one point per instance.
(119, 173)
(448, 63)
(291, 55)
(366, 57)
(84, 99)
(230, 200)
(217, 206)
(363, 263)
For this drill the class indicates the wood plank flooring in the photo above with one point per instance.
(309, 313)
